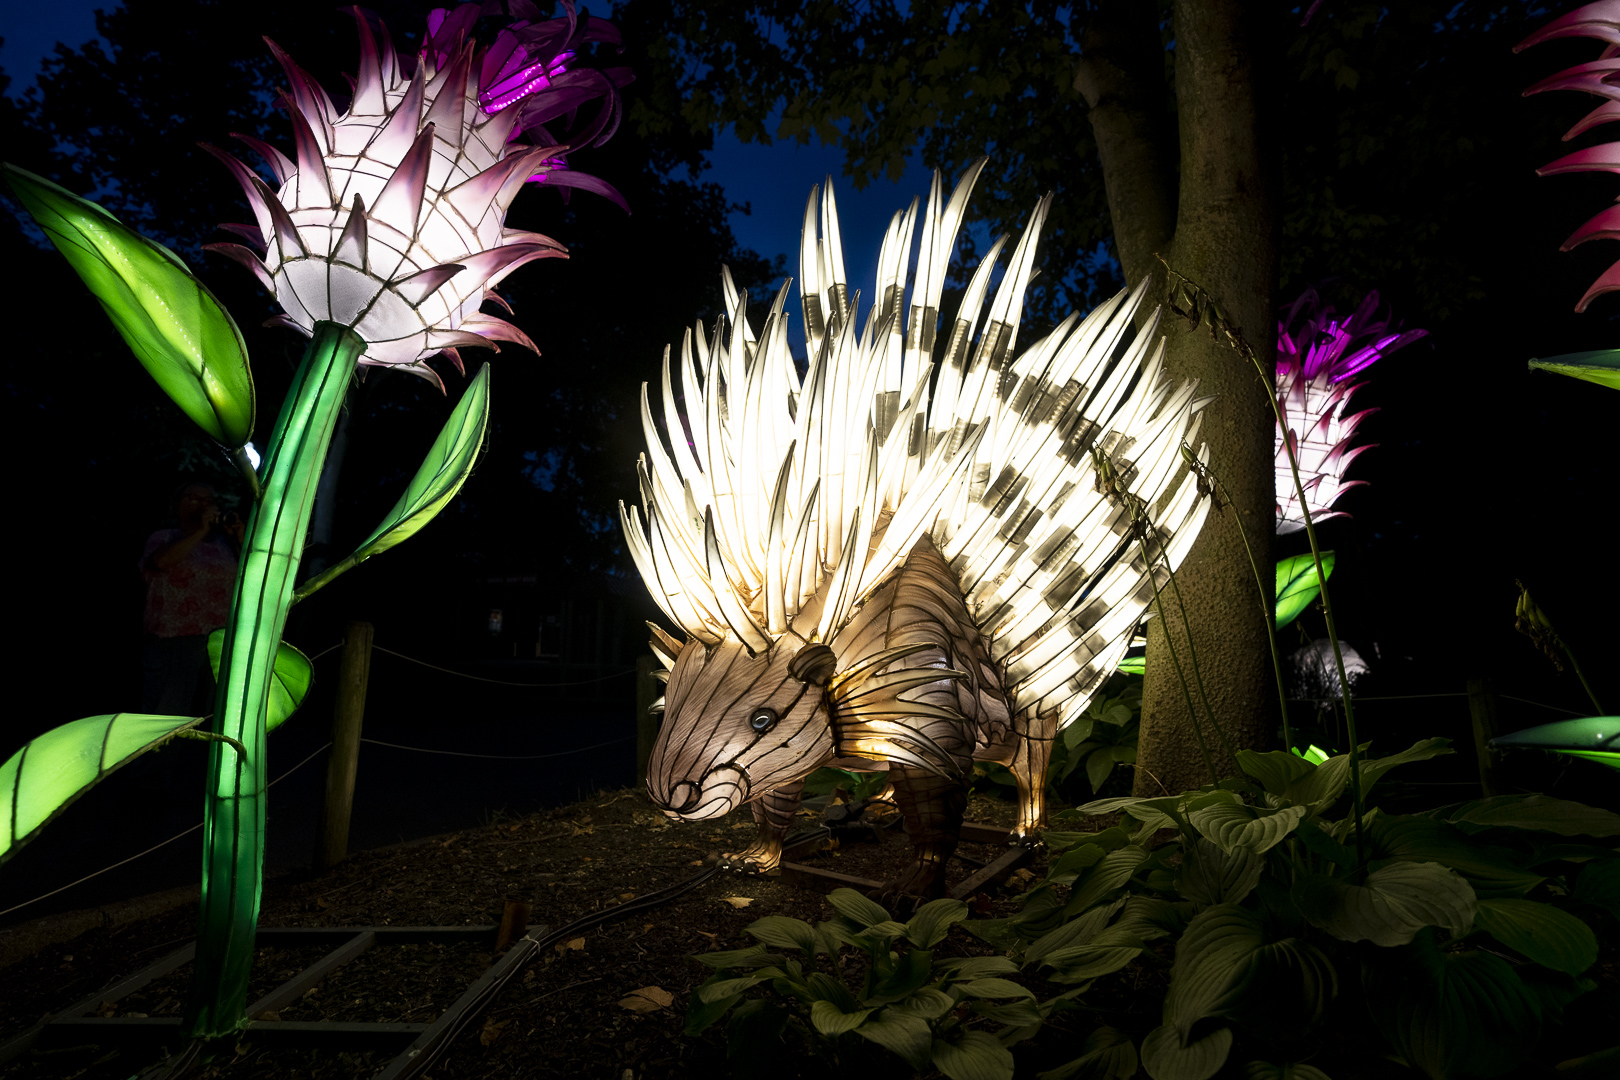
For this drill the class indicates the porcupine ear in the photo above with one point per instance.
(813, 664)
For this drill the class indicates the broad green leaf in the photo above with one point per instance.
(1373, 769)
(991, 988)
(977, 967)
(1079, 963)
(852, 905)
(1417, 838)
(1019, 1013)
(52, 770)
(830, 1021)
(1074, 862)
(1539, 812)
(1115, 869)
(289, 681)
(1298, 1070)
(1601, 366)
(907, 1036)
(1599, 884)
(1099, 763)
(1077, 931)
(1109, 1055)
(702, 1013)
(754, 1033)
(1234, 827)
(1595, 738)
(1275, 770)
(448, 464)
(1451, 1014)
(724, 988)
(1552, 938)
(973, 1055)
(1165, 1058)
(823, 987)
(1397, 901)
(927, 1004)
(911, 972)
(753, 956)
(1297, 585)
(1213, 966)
(933, 922)
(785, 933)
(1319, 842)
(1289, 987)
(1210, 875)
(176, 328)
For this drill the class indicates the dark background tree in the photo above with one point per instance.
(1405, 160)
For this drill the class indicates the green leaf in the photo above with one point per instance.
(753, 956)
(927, 1003)
(977, 967)
(1550, 937)
(1115, 869)
(973, 1055)
(785, 933)
(1601, 366)
(1234, 827)
(933, 922)
(52, 770)
(1109, 1055)
(1297, 585)
(911, 971)
(1098, 765)
(1538, 812)
(823, 987)
(1165, 1058)
(1418, 838)
(1596, 738)
(716, 989)
(1275, 770)
(827, 1019)
(1451, 1014)
(853, 906)
(289, 681)
(1397, 901)
(1320, 843)
(1021, 1013)
(176, 328)
(448, 464)
(1212, 967)
(907, 1036)
(1373, 769)
(992, 988)
(702, 1013)
(1599, 884)
(1134, 665)
(1074, 862)
(1210, 875)
(1077, 931)
(1298, 1070)
(753, 1037)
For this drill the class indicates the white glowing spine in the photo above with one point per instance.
(752, 521)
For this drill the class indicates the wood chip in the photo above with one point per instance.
(738, 901)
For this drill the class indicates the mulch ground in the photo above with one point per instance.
(607, 1004)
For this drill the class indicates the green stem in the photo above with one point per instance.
(1192, 713)
(1581, 675)
(234, 815)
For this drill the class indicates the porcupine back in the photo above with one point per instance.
(783, 501)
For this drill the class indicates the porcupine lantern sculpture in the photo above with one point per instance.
(874, 567)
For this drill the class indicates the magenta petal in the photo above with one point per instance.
(497, 329)
(368, 83)
(283, 322)
(1603, 114)
(420, 370)
(450, 100)
(400, 201)
(254, 191)
(440, 339)
(392, 142)
(496, 298)
(314, 184)
(570, 179)
(248, 259)
(473, 197)
(279, 163)
(353, 245)
(1604, 157)
(1600, 20)
(307, 94)
(424, 283)
(1609, 282)
(1591, 77)
(1605, 226)
(454, 356)
(250, 233)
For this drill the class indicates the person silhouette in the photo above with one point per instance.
(190, 572)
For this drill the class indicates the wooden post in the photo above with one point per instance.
(514, 923)
(647, 692)
(1482, 707)
(354, 671)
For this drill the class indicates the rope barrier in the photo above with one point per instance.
(502, 757)
(504, 682)
(154, 847)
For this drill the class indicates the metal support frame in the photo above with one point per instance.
(75, 1025)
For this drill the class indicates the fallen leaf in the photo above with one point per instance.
(571, 945)
(646, 928)
(712, 937)
(695, 862)
(738, 901)
(647, 999)
(742, 825)
(624, 896)
(492, 1031)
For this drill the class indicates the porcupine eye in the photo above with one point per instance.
(763, 720)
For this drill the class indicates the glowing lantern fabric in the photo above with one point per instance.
(390, 218)
(1317, 357)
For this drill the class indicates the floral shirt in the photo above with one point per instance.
(193, 596)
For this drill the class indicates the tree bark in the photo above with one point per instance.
(1223, 238)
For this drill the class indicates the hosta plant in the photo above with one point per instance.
(891, 992)
(1458, 930)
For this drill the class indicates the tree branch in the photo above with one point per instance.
(1120, 73)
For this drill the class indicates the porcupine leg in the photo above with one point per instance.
(932, 806)
(773, 813)
(1031, 755)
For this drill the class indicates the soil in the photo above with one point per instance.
(608, 1003)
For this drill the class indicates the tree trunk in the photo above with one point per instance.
(1222, 236)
